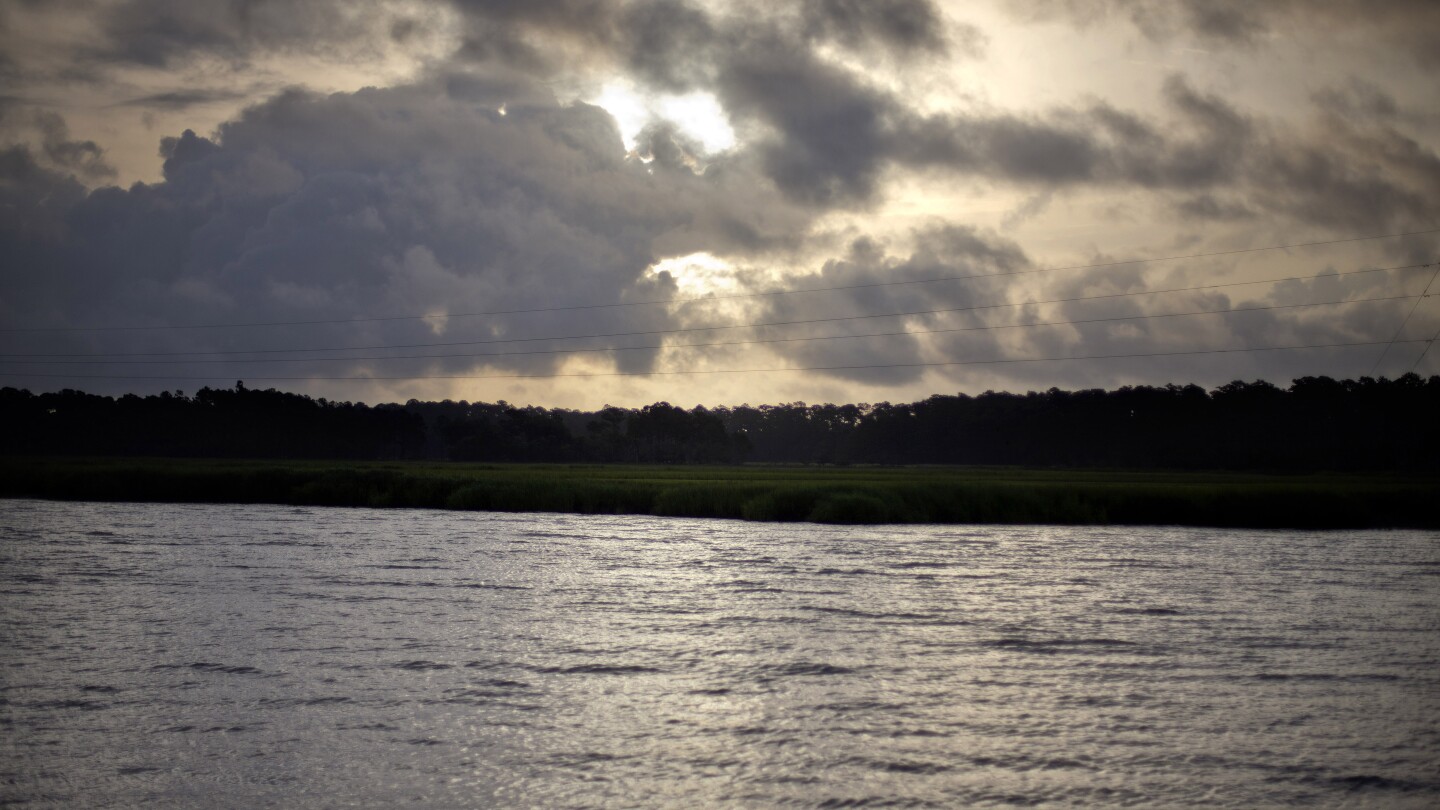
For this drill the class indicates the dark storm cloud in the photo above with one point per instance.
(183, 99)
(46, 51)
(426, 197)
(1112, 322)
(33, 201)
(1212, 208)
(48, 137)
(655, 38)
(539, 37)
(829, 137)
(160, 33)
(1127, 328)
(1233, 20)
(1350, 172)
(905, 27)
(670, 45)
(1203, 146)
(831, 134)
(404, 200)
(83, 158)
(1412, 25)
(936, 253)
(1358, 99)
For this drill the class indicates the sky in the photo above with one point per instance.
(574, 203)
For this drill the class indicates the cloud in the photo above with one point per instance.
(675, 45)
(33, 201)
(395, 201)
(828, 135)
(1348, 172)
(184, 99)
(1103, 311)
(1412, 25)
(83, 158)
(670, 45)
(164, 33)
(880, 283)
(904, 27)
(472, 188)
(49, 135)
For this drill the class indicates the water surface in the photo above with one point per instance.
(252, 656)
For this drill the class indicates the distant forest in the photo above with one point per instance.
(1318, 423)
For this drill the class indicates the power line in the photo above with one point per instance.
(535, 352)
(1406, 321)
(642, 333)
(1429, 344)
(995, 361)
(534, 310)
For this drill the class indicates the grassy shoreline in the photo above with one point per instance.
(865, 495)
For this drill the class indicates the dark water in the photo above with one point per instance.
(251, 656)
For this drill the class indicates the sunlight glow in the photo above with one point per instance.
(698, 273)
(697, 115)
(626, 107)
(700, 116)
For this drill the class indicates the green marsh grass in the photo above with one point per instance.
(859, 495)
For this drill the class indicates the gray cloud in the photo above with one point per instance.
(1413, 25)
(1221, 19)
(1352, 173)
(675, 44)
(425, 197)
(1210, 207)
(161, 33)
(183, 99)
(1358, 99)
(936, 253)
(83, 158)
(831, 134)
(401, 200)
(33, 200)
(1129, 341)
(827, 137)
(905, 27)
(47, 138)
(671, 45)
(537, 37)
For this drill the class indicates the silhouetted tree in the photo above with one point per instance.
(1318, 423)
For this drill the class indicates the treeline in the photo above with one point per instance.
(215, 423)
(1318, 423)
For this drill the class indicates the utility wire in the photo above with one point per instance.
(533, 352)
(640, 333)
(1429, 344)
(1406, 321)
(995, 361)
(1093, 266)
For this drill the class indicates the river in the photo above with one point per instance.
(266, 656)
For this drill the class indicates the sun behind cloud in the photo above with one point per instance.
(696, 115)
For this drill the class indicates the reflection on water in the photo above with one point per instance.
(268, 656)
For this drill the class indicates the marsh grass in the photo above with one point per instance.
(861, 495)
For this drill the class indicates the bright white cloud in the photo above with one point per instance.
(695, 115)
(700, 116)
(697, 274)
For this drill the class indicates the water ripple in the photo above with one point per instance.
(164, 655)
